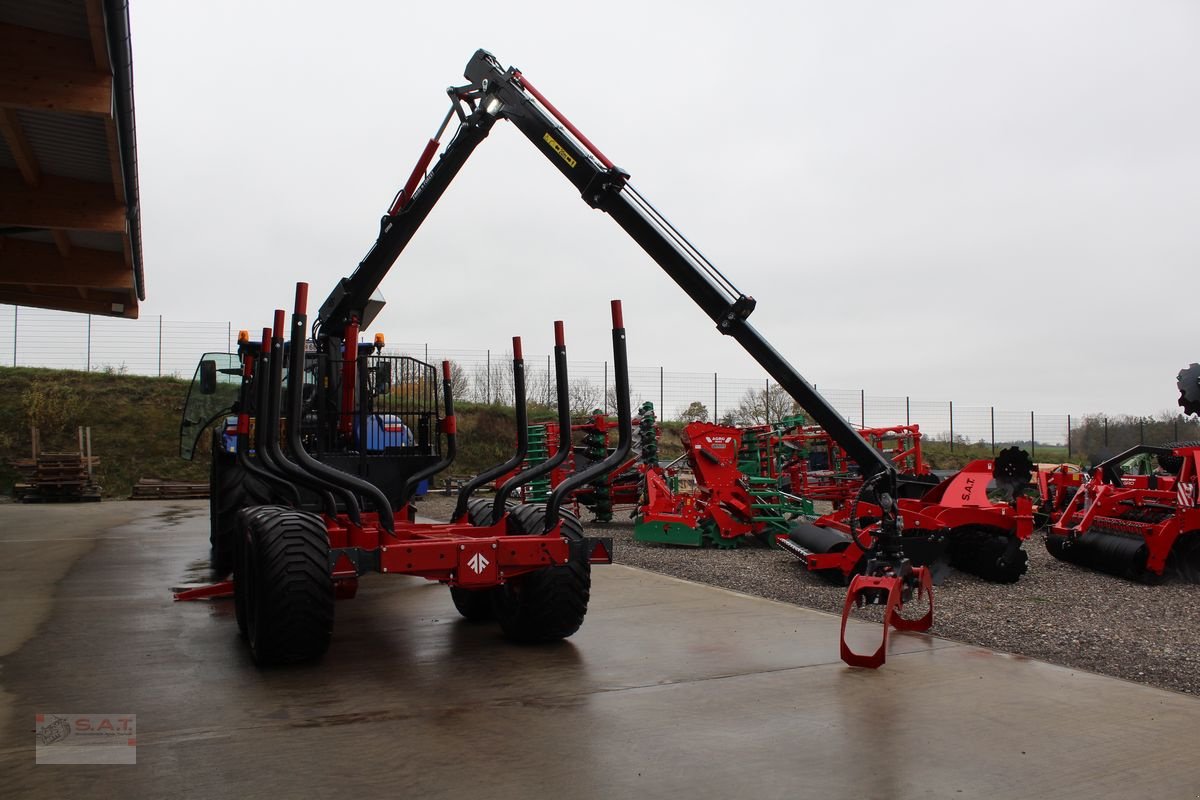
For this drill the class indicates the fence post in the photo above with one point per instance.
(767, 400)
(89, 347)
(661, 402)
(1141, 430)
(427, 352)
(550, 395)
(951, 426)
(1032, 437)
(714, 397)
(992, 409)
(1068, 437)
(1106, 431)
(862, 408)
(160, 345)
(488, 383)
(229, 335)
(907, 411)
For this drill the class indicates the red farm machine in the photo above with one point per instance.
(1136, 515)
(958, 522)
(821, 470)
(299, 526)
(591, 440)
(761, 482)
(729, 492)
(1056, 485)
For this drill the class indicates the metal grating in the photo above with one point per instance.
(402, 404)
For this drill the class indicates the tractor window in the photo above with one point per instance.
(210, 397)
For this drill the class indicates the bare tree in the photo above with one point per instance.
(695, 412)
(584, 397)
(763, 406)
(481, 390)
(611, 397)
(539, 385)
(498, 383)
(460, 382)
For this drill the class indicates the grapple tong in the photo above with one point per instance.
(889, 580)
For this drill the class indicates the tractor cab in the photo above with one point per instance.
(212, 395)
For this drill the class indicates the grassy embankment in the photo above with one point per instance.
(134, 422)
(135, 426)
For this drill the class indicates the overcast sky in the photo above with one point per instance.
(987, 202)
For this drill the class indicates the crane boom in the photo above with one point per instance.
(493, 93)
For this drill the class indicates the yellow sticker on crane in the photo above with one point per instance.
(558, 148)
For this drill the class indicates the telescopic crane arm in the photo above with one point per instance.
(494, 93)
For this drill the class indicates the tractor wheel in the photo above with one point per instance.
(476, 605)
(283, 588)
(549, 604)
(230, 489)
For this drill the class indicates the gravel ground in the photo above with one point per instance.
(1057, 612)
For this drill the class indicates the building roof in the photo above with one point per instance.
(70, 228)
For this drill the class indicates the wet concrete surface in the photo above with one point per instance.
(670, 689)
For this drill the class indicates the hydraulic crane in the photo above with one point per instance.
(493, 93)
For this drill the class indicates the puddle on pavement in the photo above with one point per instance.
(173, 515)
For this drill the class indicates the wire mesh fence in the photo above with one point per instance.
(156, 346)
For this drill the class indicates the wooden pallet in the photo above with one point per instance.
(154, 489)
(56, 478)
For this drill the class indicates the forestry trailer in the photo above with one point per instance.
(307, 535)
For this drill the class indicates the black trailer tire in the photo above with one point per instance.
(550, 604)
(476, 605)
(230, 489)
(283, 588)
(240, 565)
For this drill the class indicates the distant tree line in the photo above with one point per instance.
(1098, 436)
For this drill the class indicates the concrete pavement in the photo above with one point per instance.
(670, 689)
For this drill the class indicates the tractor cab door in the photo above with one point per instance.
(211, 396)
